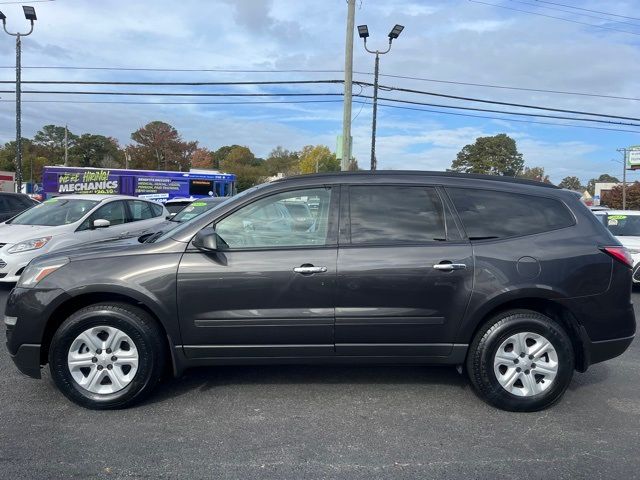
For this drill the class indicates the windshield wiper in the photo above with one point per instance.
(153, 237)
(488, 237)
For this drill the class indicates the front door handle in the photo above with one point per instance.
(448, 267)
(306, 269)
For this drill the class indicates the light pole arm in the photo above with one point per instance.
(377, 52)
(4, 25)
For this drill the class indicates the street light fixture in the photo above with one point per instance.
(363, 31)
(29, 14)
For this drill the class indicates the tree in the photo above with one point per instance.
(29, 157)
(242, 162)
(318, 158)
(571, 183)
(613, 197)
(202, 158)
(50, 141)
(535, 173)
(497, 155)
(281, 160)
(156, 140)
(591, 184)
(95, 151)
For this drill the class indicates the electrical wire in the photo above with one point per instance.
(508, 119)
(171, 94)
(588, 10)
(577, 13)
(554, 17)
(259, 82)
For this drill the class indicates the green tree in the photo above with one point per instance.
(605, 177)
(571, 183)
(95, 151)
(30, 156)
(155, 141)
(318, 158)
(242, 162)
(50, 141)
(281, 160)
(497, 155)
(535, 173)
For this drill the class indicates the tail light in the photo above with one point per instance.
(619, 253)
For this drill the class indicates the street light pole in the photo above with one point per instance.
(624, 177)
(29, 14)
(348, 81)
(363, 31)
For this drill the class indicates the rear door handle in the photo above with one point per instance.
(448, 267)
(306, 269)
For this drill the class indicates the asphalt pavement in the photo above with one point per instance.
(323, 422)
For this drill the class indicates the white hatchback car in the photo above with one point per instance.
(625, 226)
(69, 221)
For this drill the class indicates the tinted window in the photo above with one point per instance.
(141, 210)
(14, 203)
(395, 214)
(114, 212)
(268, 223)
(491, 214)
(201, 187)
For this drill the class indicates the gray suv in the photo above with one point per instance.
(512, 280)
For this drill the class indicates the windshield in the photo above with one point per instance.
(174, 231)
(195, 208)
(624, 225)
(56, 211)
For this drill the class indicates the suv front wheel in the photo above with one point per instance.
(107, 356)
(521, 361)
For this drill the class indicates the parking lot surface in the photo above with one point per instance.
(300, 422)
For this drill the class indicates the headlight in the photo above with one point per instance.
(33, 244)
(34, 273)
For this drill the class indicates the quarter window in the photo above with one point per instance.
(140, 210)
(269, 223)
(492, 214)
(395, 214)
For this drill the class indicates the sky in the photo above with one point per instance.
(444, 40)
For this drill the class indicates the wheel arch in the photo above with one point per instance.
(545, 306)
(77, 302)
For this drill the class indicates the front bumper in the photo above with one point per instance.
(12, 264)
(27, 313)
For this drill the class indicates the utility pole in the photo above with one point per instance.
(624, 177)
(363, 32)
(29, 14)
(348, 81)
(66, 146)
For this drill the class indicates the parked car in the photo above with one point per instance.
(174, 205)
(11, 204)
(192, 210)
(625, 226)
(71, 220)
(515, 281)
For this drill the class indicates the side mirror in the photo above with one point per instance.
(101, 223)
(206, 239)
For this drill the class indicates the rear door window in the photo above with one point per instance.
(141, 210)
(487, 214)
(388, 214)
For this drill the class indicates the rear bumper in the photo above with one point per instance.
(599, 351)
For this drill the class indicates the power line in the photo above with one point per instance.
(259, 82)
(160, 69)
(504, 112)
(170, 94)
(405, 77)
(577, 13)
(508, 119)
(119, 102)
(496, 102)
(554, 17)
(505, 87)
(588, 10)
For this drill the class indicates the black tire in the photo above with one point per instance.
(480, 359)
(134, 322)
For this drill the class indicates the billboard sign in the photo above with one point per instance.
(633, 157)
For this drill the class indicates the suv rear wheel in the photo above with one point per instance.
(521, 361)
(107, 356)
